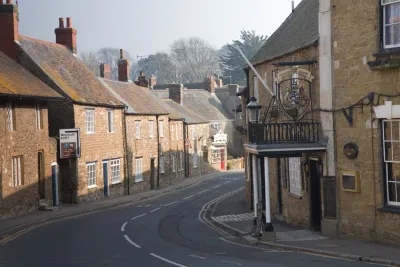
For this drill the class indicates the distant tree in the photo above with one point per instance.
(109, 55)
(160, 65)
(194, 59)
(91, 61)
(232, 63)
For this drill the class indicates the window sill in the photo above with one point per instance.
(295, 196)
(92, 186)
(89, 132)
(119, 182)
(111, 132)
(390, 209)
(138, 181)
(387, 52)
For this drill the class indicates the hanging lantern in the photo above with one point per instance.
(254, 110)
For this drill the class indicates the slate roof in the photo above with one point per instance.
(138, 99)
(178, 111)
(205, 104)
(17, 81)
(299, 30)
(68, 72)
(198, 85)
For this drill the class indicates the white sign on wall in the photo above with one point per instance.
(70, 146)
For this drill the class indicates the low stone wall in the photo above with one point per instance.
(235, 164)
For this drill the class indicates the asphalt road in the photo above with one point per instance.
(161, 232)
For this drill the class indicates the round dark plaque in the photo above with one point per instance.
(350, 150)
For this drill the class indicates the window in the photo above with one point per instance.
(162, 170)
(10, 117)
(91, 172)
(274, 84)
(215, 156)
(295, 176)
(172, 132)
(391, 156)
(151, 128)
(39, 123)
(216, 126)
(139, 170)
(115, 171)
(195, 160)
(255, 92)
(17, 171)
(161, 128)
(89, 115)
(110, 116)
(173, 164)
(194, 135)
(137, 127)
(391, 23)
(181, 158)
(176, 132)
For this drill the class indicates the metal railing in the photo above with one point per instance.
(285, 132)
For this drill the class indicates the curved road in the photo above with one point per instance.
(161, 232)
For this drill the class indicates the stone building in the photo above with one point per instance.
(27, 154)
(88, 106)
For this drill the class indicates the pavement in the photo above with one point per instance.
(232, 215)
(172, 229)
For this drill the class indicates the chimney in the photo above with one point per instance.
(142, 81)
(292, 5)
(152, 81)
(220, 83)
(209, 84)
(123, 67)
(9, 28)
(105, 71)
(176, 92)
(66, 35)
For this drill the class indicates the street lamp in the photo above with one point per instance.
(254, 110)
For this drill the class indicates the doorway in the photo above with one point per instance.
(105, 178)
(42, 182)
(315, 196)
(152, 173)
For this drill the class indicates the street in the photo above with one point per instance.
(165, 231)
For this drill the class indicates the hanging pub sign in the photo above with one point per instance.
(70, 146)
(350, 150)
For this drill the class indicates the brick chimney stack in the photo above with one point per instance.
(142, 81)
(152, 81)
(123, 67)
(66, 35)
(210, 84)
(9, 28)
(105, 71)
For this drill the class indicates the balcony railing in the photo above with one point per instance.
(287, 132)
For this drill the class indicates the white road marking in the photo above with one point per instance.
(220, 253)
(203, 191)
(235, 179)
(166, 260)
(189, 197)
(123, 226)
(141, 215)
(171, 203)
(195, 256)
(227, 182)
(131, 242)
(241, 245)
(216, 186)
(148, 205)
(231, 262)
(139, 206)
(155, 210)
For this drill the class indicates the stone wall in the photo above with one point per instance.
(176, 151)
(26, 141)
(96, 148)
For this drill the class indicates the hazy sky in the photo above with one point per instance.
(147, 26)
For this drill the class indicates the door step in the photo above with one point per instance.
(46, 207)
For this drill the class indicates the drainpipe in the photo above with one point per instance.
(126, 169)
(185, 125)
(158, 151)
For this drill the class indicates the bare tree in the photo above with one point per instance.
(194, 59)
(110, 56)
(91, 61)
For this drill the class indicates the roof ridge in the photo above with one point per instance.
(41, 41)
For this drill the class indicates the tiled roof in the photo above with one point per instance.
(299, 30)
(138, 99)
(68, 72)
(205, 104)
(16, 80)
(178, 111)
(198, 85)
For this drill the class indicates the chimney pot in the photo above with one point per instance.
(69, 22)
(61, 23)
(141, 73)
(122, 53)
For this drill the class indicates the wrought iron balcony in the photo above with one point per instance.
(286, 132)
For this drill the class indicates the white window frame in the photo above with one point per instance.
(38, 112)
(151, 128)
(385, 3)
(91, 174)
(162, 164)
(115, 171)
(89, 121)
(274, 84)
(216, 125)
(194, 134)
(138, 170)
(110, 121)
(391, 161)
(137, 129)
(295, 182)
(161, 127)
(195, 159)
(10, 116)
(17, 171)
(181, 159)
(176, 132)
(172, 132)
(173, 164)
(256, 91)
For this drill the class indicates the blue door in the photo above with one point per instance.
(105, 176)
